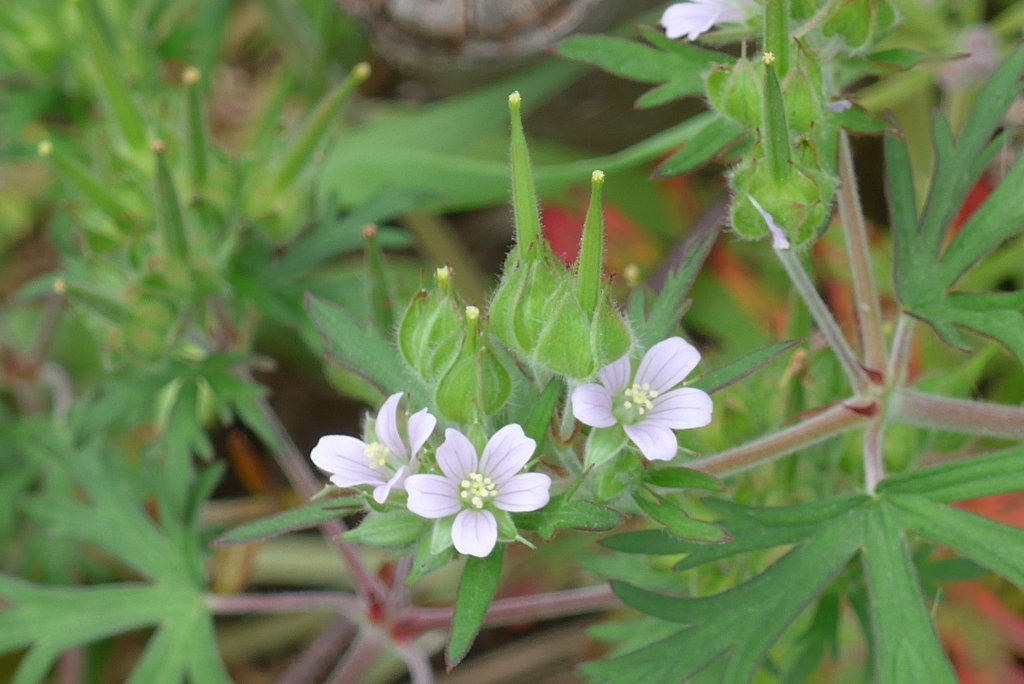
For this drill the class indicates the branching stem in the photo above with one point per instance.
(834, 420)
(825, 321)
(358, 658)
(899, 357)
(284, 602)
(874, 466)
(865, 292)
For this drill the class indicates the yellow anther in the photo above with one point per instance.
(768, 58)
(377, 454)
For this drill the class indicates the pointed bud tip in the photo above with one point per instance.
(515, 99)
(60, 286)
(472, 313)
(45, 148)
(191, 75)
(361, 71)
(442, 274)
(158, 146)
(631, 273)
(369, 231)
(597, 177)
(768, 58)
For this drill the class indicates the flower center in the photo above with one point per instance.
(477, 489)
(377, 454)
(636, 401)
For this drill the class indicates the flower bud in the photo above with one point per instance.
(801, 94)
(430, 333)
(735, 91)
(476, 385)
(860, 23)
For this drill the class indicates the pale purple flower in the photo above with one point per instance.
(779, 240)
(695, 17)
(384, 463)
(839, 106)
(471, 486)
(647, 408)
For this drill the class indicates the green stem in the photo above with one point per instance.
(825, 321)
(833, 421)
(865, 291)
(963, 416)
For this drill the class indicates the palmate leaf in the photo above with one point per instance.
(726, 636)
(925, 272)
(47, 620)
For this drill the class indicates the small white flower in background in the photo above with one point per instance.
(779, 240)
(695, 17)
(470, 486)
(385, 463)
(647, 408)
(839, 106)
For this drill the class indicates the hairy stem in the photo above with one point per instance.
(865, 292)
(296, 469)
(899, 357)
(834, 420)
(825, 321)
(358, 658)
(420, 670)
(874, 466)
(957, 415)
(518, 609)
(283, 602)
(312, 665)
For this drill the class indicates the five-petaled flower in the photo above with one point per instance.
(385, 463)
(647, 407)
(471, 486)
(695, 17)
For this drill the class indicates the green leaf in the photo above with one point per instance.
(681, 478)
(858, 120)
(737, 627)
(898, 58)
(682, 69)
(718, 134)
(1000, 472)
(821, 635)
(998, 547)
(671, 303)
(299, 518)
(395, 528)
(676, 521)
(426, 560)
(568, 515)
(536, 426)
(364, 352)
(720, 378)
(925, 272)
(751, 529)
(906, 648)
(476, 589)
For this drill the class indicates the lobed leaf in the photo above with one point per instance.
(716, 135)
(720, 378)
(299, 518)
(996, 473)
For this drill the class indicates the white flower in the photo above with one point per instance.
(385, 463)
(470, 486)
(839, 106)
(693, 18)
(647, 408)
(779, 240)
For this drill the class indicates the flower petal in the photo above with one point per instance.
(456, 456)
(475, 533)
(656, 443)
(507, 451)
(344, 458)
(526, 492)
(381, 492)
(592, 405)
(432, 496)
(615, 376)
(779, 240)
(667, 364)
(421, 425)
(387, 427)
(680, 409)
(688, 19)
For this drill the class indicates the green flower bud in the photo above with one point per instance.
(616, 477)
(735, 91)
(860, 23)
(476, 385)
(802, 99)
(431, 331)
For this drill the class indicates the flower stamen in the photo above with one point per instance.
(639, 396)
(377, 454)
(477, 489)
